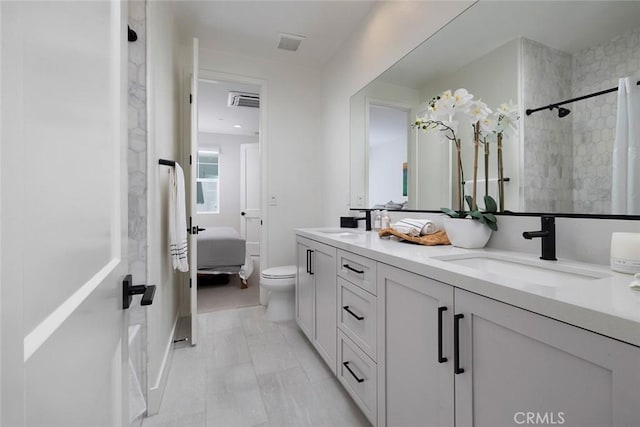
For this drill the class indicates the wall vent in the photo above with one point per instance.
(244, 99)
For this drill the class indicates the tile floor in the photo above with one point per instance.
(248, 371)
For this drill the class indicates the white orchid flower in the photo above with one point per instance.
(462, 99)
(478, 111)
(488, 125)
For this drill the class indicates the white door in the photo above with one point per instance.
(251, 220)
(64, 213)
(193, 228)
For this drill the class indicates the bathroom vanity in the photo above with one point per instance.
(443, 336)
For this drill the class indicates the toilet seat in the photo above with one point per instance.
(282, 272)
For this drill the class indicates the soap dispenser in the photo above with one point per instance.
(385, 220)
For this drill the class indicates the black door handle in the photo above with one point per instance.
(128, 290)
(346, 308)
(440, 358)
(308, 261)
(456, 344)
(311, 262)
(346, 365)
(348, 267)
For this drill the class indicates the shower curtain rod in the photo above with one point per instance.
(167, 162)
(580, 98)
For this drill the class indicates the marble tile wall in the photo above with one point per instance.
(548, 140)
(594, 120)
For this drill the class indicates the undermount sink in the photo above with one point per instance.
(546, 273)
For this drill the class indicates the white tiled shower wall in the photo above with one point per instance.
(568, 160)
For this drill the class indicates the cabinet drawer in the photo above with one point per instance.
(358, 374)
(358, 270)
(357, 316)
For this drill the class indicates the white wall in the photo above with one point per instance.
(291, 140)
(389, 32)
(229, 164)
(164, 135)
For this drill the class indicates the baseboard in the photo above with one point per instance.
(154, 397)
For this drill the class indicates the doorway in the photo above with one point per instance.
(387, 134)
(227, 185)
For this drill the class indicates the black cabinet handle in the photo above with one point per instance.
(456, 344)
(440, 358)
(311, 262)
(346, 308)
(346, 365)
(348, 267)
(308, 262)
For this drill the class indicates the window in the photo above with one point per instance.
(208, 182)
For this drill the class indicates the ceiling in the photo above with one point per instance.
(215, 116)
(569, 26)
(253, 27)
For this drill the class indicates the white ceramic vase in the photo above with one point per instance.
(467, 233)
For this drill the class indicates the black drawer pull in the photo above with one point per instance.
(456, 344)
(346, 365)
(440, 358)
(348, 267)
(346, 308)
(310, 261)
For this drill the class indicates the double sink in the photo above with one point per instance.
(540, 272)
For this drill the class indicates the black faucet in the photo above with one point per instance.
(367, 220)
(548, 236)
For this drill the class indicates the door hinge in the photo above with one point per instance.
(190, 99)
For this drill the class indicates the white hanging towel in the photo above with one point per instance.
(177, 220)
(625, 191)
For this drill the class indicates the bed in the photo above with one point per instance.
(221, 250)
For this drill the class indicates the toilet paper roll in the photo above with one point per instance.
(625, 252)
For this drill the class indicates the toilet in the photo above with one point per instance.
(280, 283)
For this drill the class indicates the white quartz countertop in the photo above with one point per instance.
(604, 305)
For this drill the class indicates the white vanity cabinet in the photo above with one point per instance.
(517, 362)
(316, 296)
(415, 353)
(508, 366)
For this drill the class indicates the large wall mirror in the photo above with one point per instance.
(533, 54)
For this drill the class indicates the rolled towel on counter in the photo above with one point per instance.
(415, 227)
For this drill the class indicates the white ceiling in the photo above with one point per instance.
(215, 116)
(253, 27)
(569, 26)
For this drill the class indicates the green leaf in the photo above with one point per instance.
(492, 225)
(490, 217)
(469, 200)
(450, 212)
(490, 204)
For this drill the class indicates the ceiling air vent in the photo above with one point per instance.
(289, 41)
(244, 99)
